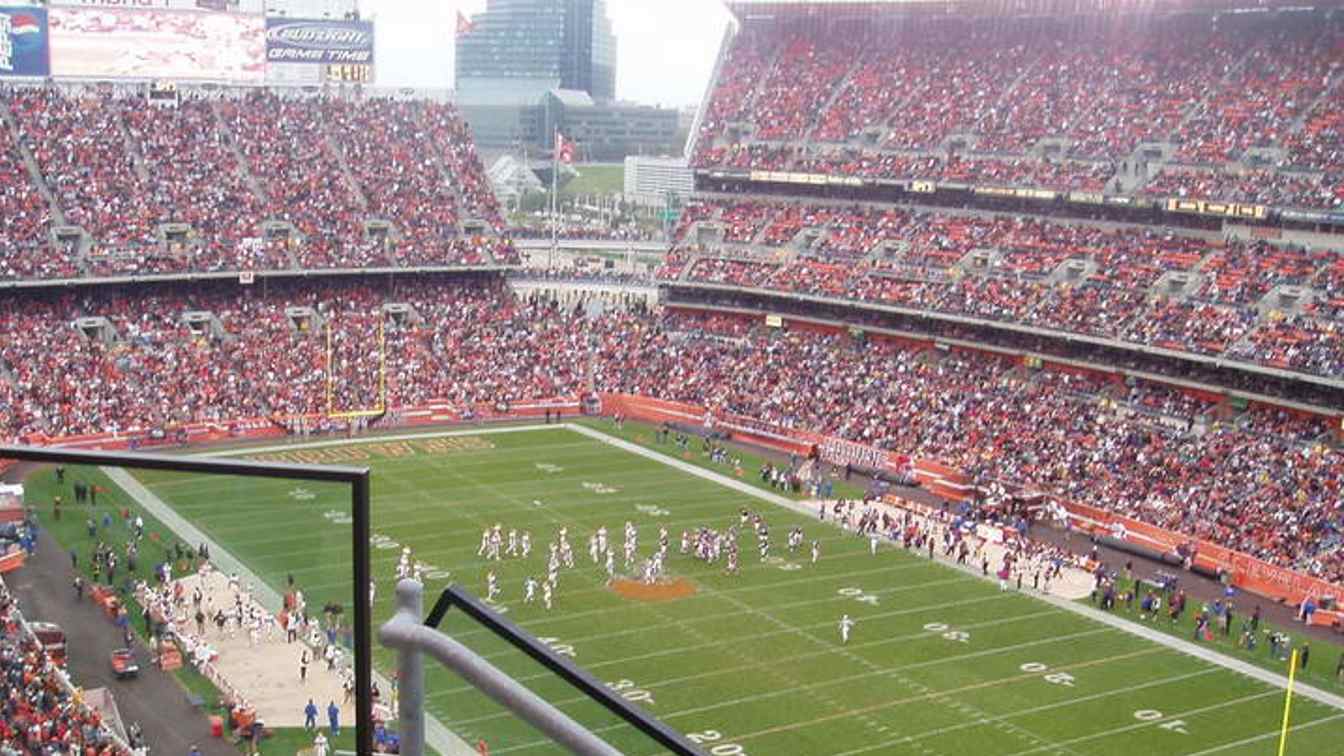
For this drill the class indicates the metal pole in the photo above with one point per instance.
(571, 673)
(501, 688)
(410, 672)
(555, 182)
(359, 533)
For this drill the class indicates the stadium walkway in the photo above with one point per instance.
(437, 736)
(155, 700)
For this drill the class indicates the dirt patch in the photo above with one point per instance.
(663, 590)
(267, 674)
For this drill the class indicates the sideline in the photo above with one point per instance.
(1155, 636)
(437, 736)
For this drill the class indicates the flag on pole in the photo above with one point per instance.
(564, 149)
(464, 25)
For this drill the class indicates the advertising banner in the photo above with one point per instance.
(23, 41)
(157, 44)
(233, 6)
(325, 42)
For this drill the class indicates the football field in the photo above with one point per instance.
(939, 661)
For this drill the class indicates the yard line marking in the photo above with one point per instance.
(913, 699)
(1034, 710)
(725, 615)
(932, 694)
(1031, 737)
(720, 671)
(669, 652)
(1177, 715)
(1271, 734)
(889, 670)
(1187, 647)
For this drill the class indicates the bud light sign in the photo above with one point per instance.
(324, 42)
(23, 42)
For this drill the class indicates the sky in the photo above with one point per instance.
(665, 48)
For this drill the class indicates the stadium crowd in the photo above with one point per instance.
(123, 171)
(1040, 103)
(41, 711)
(1015, 269)
(1257, 482)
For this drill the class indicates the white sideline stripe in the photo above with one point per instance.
(1187, 647)
(686, 467)
(244, 451)
(1032, 710)
(1267, 736)
(437, 736)
(1201, 652)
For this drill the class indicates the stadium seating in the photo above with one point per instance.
(125, 172)
(472, 343)
(1238, 110)
(928, 260)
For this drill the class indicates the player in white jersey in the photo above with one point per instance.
(685, 541)
(491, 586)
(816, 551)
(526, 540)
(611, 565)
(846, 624)
(546, 594)
(872, 543)
(512, 549)
(592, 548)
(496, 544)
(602, 539)
(530, 590)
(485, 543)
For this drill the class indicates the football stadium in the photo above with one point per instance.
(973, 382)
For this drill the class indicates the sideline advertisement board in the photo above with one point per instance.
(324, 42)
(23, 41)
(157, 44)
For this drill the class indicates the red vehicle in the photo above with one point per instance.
(52, 638)
(124, 664)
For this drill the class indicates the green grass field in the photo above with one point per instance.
(596, 178)
(940, 661)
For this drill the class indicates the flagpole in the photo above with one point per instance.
(555, 182)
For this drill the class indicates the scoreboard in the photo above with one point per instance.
(352, 73)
